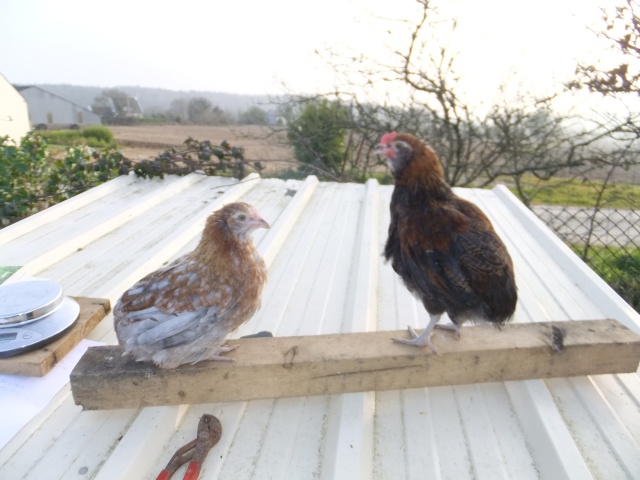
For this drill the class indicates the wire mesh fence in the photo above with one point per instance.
(608, 240)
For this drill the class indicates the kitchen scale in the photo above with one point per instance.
(33, 313)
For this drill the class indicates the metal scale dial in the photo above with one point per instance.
(33, 313)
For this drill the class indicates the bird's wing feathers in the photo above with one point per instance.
(439, 276)
(450, 251)
(174, 305)
(481, 251)
(164, 330)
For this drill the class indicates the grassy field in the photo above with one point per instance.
(619, 267)
(578, 193)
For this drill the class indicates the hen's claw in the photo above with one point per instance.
(452, 327)
(418, 340)
(224, 349)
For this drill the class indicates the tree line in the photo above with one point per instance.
(115, 106)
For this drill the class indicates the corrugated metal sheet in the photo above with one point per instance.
(326, 275)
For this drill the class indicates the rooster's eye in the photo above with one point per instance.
(242, 217)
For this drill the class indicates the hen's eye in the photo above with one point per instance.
(242, 217)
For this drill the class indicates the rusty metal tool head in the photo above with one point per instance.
(194, 452)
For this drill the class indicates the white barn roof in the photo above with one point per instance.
(326, 275)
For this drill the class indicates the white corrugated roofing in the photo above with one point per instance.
(326, 275)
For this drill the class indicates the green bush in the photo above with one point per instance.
(31, 178)
(318, 134)
(60, 137)
(99, 133)
(21, 167)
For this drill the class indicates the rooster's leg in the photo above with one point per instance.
(421, 340)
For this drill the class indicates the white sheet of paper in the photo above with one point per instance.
(23, 397)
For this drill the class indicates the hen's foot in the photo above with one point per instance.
(224, 349)
(418, 340)
(452, 327)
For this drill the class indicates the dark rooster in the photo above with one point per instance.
(444, 248)
(183, 312)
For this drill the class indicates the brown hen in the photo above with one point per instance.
(182, 313)
(443, 247)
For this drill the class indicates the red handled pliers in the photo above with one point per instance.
(194, 452)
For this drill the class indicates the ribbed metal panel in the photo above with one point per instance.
(326, 275)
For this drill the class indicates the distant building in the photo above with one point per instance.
(276, 119)
(14, 114)
(128, 107)
(116, 107)
(50, 111)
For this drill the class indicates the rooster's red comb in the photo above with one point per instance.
(388, 137)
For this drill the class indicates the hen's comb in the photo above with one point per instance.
(388, 137)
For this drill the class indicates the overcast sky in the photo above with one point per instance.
(254, 46)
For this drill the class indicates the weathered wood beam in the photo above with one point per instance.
(356, 362)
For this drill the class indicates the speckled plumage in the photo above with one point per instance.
(182, 313)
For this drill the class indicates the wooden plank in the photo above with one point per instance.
(39, 362)
(356, 362)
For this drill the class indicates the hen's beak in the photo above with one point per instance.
(384, 149)
(259, 222)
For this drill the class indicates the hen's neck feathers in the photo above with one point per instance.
(218, 246)
(423, 172)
